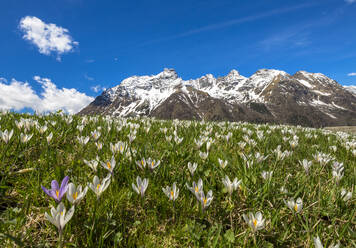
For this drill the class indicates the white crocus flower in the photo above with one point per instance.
(152, 164)
(267, 174)
(338, 173)
(306, 165)
(95, 134)
(260, 158)
(206, 200)
(49, 138)
(59, 217)
(171, 193)
(92, 164)
(223, 163)
(25, 138)
(256, 222)
(99, 187)
(345, 196)
(43, 129)
(83, 140)
(318, 244)
(109, 165)
(196, 188)
(203, 155)
(283, 190)
(75, 194)
(192, 167)
(231, 186)
(296, 206)
(6, 135)
(141, 186)
(99, 145)
(141, 163)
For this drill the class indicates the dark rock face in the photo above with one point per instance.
(268, 96)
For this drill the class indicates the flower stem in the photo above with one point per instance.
(60, 239)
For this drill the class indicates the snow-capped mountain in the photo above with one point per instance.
(310, 99)
(351, 88)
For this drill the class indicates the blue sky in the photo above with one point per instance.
(108, 41)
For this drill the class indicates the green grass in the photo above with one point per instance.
(121, 219)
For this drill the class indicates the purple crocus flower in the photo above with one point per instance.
(57, 192)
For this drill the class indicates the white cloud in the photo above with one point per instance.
(97, 88)
(352, 74)
(19, 95)
(350, 1)
(47, 37)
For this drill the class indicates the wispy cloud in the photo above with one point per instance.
(47, 37)
(352, 74)
(350, 1)
(19, 95)
(291, 38)
(232, 22)
(97, 88)
(88, 78)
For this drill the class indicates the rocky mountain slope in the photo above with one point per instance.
(308, 99)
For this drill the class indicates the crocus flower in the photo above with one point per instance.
(338, 173)
(49, 138)
(231, 186)
(222, 163)
(318, 244)
(141, 163)
(192, 167)
(206, 200)
(75, 194)
(171, 193)
(267, 174)
(256, 222)
(109, 165)
(6, 135)
(296, 206)
(92, 164)
(59, 217)
(345, 195)
(306, 165)
(196, 188)
(152, 164)
(99, 187)
(25, 138)
(57, 192)
(141, 186)
(204, 155)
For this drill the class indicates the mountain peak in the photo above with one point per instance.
(168, 73)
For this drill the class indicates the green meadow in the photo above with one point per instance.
(277, 199)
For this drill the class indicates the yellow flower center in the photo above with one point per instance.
(98, 186)
(205, 201)
(142, 162)
(109, 165)
(172, 194)
(196, 189)
(62, 213)
(152, 164)
(120, 148)
(296, 207)
(75, 195)
(254, 222)
(57, 193)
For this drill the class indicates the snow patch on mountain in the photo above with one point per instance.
(351, 88)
